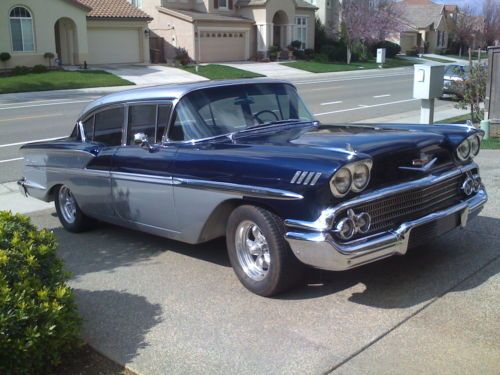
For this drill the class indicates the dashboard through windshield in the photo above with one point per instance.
(223, 110)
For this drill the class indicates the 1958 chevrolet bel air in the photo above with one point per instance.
(246, 159)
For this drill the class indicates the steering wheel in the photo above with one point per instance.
(259, 120)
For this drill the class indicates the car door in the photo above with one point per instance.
(141, 176)
(92, 185)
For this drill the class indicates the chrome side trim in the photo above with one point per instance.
(320, 250)
(245, 190)
(327, 217)
(162, 180)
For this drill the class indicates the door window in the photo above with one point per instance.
(108, 126)
(88, 128)
(141, 119)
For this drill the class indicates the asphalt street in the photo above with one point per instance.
(163, 307)
(335, 98)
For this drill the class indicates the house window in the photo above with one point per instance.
(136, 3)
(301, 30)
(223, 4)
(21, 30)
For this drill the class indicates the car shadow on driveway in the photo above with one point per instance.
(398, 282)
(423, 274)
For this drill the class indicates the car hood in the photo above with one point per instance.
(389, 148)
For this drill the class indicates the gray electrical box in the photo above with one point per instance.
(428, 81)
(380, 55)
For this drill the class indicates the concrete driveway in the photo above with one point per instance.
(163, 307)
(270, 69)
(142, 74)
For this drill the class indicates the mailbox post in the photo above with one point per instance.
(427, 86)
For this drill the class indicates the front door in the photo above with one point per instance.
(141, 177)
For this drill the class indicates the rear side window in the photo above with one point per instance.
(141, 119)
(150, 119)
(108, 126)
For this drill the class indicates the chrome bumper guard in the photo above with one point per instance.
(318, 248)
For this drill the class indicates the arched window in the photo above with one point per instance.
(21, 30)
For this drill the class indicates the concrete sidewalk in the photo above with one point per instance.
(271, 69)
(413, 117)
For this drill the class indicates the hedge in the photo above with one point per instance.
(39, 322)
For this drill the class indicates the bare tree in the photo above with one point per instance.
(464, 29)
(364, 22)
(491, 14)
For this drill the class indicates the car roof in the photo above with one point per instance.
(169, 92)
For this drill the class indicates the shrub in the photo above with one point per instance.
(38, 317)
(49, 56)
(296, 44)
(309, 53)
(5, 56)
(391, 49)
(337, 51)
(40, 69)
(182, 56)
(21, 70)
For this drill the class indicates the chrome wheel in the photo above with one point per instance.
(252, 250)
(67, 205)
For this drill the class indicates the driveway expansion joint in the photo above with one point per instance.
(415, 313)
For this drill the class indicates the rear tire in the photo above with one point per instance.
(70, 215)
(259, 253)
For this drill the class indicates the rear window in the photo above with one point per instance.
(108, 126)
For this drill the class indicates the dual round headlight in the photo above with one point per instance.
(469, 147)
(352, 177)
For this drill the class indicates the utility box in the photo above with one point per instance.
(428, 81)
(380, 55)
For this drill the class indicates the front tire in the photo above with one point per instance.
(70, 215)
(259, 253)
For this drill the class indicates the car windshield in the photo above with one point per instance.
(457, 71)
(223, 110)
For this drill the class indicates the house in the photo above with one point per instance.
(427, 25)
(329, 14)
(229, 30)
(95, 31)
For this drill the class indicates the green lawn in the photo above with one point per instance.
(215, 71)
(437, 59)
(325, 67)
(491, 143)
(59, 80)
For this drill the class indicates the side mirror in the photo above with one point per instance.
(141, 139)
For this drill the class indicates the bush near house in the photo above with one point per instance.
(38, 316)
(4, 57)
(40, 69)
(391, 49)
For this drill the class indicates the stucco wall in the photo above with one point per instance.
(45, 15)
(175, 32)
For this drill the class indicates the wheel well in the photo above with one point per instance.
(216, 224)
(51, 192)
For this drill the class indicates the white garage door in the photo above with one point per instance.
(113, 46)
(222, 46)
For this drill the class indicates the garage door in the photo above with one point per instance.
(113, 46)
(222, 46)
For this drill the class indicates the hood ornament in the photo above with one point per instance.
(349, 148)
(422, 164)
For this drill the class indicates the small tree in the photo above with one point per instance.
(4, 57)
(49, 56)
(472, 90)
(464, 29)
(491, 14)
(367, 22)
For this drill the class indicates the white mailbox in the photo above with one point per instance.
(428, 81)
(380, 55)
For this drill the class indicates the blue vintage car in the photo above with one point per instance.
(246, 160)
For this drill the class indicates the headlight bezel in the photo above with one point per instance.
(469, 144)
(351, 167)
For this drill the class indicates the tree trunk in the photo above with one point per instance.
(348, 54)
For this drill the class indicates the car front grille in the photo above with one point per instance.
(390, 212)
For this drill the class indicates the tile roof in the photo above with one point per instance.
(192, 15)
(421, 13)
(299, 3)
(113, 9)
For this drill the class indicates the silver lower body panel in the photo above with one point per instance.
(320, 250)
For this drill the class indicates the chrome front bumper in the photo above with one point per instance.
(319, 249)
